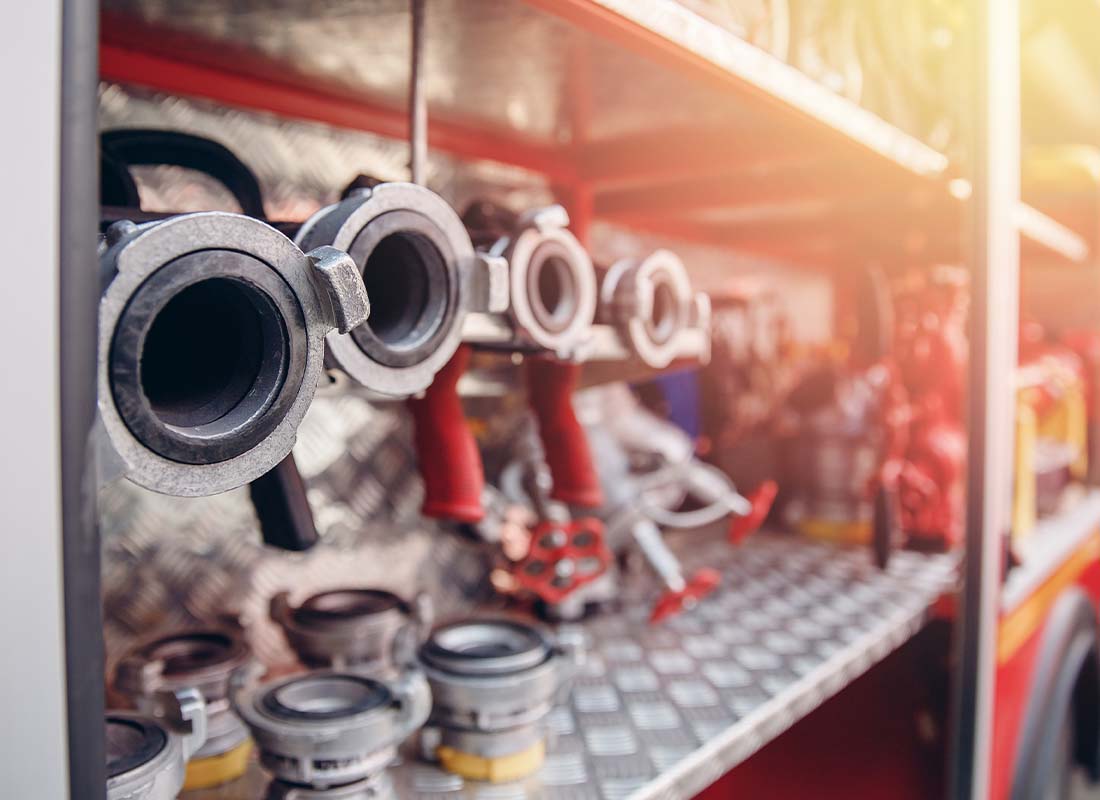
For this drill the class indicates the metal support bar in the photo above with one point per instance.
(994, 314)
(418, 100)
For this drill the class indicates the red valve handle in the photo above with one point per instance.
(550, 386)
(670, 603)
(761, 499)
(450, 463)
(562, 558)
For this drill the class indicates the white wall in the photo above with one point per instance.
(33, 751)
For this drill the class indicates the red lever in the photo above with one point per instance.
(550, 386)
(761, 499)
(669, 603)
(562, 558)
(450, 463)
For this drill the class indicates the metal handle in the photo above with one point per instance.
(414, 700)
(550, 386)
(449, 461)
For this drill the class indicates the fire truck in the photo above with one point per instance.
(552, 398)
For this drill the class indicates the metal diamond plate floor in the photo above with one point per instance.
(661, 712)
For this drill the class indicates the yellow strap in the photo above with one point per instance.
(846, 531)
(202, 773)
(494, 770)
(1024, 500)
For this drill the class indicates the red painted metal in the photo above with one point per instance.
(680, 152)
(550, 387)
(613, 27)
(796, 180)
(446, 452)
(1012, 691)
(135, 53)
(579, 543)
(882, 736)
(761, 499)
(670, 603)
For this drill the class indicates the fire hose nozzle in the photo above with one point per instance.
(211, 346)
(418, 264)
(552, 289)
(651, 303)
(552, 283)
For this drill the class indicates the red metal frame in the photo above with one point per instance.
(188, 65)
(1020, 635)
(659, 163)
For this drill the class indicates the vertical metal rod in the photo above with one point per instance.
(418, 101)
(991, 405)
(79, 309)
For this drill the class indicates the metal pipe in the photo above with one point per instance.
(211, 343)
(418, 100)
(993, 336)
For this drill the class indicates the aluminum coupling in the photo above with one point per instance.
(420, 268)
(209, 660)
(147, 754)
(366, 630)
(493, 682)
(651, 303)
(552, 283)
(329, 730)
(211, 346)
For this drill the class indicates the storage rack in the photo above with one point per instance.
(661, 712)
(614, 170)
(744, 129)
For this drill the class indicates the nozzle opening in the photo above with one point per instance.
(187, 653)
(485, 646)
(664, 319)
(348, 604)
(204, 354)
(552, 289)
(326, 696)
(208, 356)
(410, 276)
(130, 743)
(399, 276)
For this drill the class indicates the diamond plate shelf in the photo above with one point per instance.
(662, 712)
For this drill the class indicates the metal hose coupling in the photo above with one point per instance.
(332, 734)
(208, 660)
(551, 284)
(417, 259)
(552, 291)
(423, 276)
(211, 345)
(366, 630)
(493, 682)
(147, 754)
(651, 303)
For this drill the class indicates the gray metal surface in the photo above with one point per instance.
(511, 66)
(500, 62)
(301, 166)
(328, 290)
(993, 255)
(661, 712)
(182, 719)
